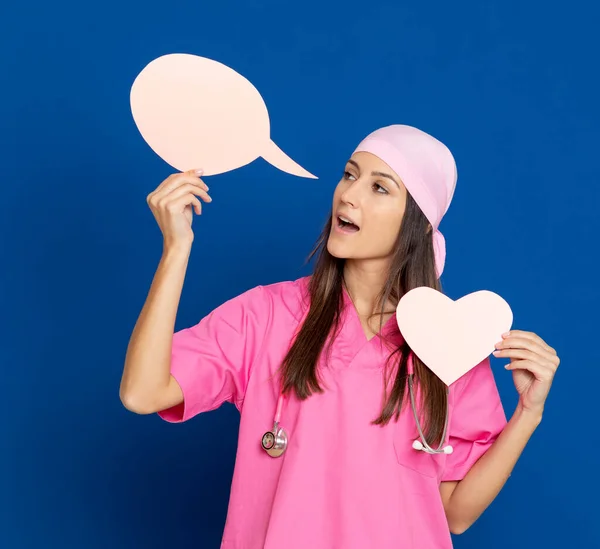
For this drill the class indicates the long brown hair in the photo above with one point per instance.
(412, 265)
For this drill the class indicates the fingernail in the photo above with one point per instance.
(495, 353)
(505, 334)
(199, 172)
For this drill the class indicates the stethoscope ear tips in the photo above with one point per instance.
(448, 449)
(418, 445)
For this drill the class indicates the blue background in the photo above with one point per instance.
(510, 87)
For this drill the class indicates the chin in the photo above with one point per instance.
(337, 249)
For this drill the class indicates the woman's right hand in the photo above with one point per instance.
(171, 204)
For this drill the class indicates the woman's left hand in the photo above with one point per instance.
(533, 363)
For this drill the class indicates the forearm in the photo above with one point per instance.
(486, 478)
(148, 358)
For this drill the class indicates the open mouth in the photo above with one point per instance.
(347, 225)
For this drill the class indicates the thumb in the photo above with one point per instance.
(196, 173)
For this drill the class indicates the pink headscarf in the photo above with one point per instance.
(427, 169)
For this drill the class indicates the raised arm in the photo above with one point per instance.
(146, 384)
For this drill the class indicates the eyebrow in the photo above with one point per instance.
(380, 174)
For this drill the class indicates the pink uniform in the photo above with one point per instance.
(342, 483)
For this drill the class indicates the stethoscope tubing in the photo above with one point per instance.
(275, 442)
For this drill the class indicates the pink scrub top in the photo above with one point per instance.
(342, 483)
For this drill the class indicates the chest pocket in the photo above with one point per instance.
(429, 465)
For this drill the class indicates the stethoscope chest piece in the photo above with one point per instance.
(275, 442)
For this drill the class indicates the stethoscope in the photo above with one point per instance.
(275, 442)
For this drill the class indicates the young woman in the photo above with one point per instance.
(322, 358)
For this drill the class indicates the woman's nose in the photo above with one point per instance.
(346, 201)
(351, 196)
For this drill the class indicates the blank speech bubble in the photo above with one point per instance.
(198, 113)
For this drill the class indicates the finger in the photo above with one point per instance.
(173, 182)
(164, 203)
(169, 180)
(164, 183)
(523, 354)
(184, 189)
(181, 180)
(515, 342)
(194, 174)
(540, 372)
(197, 205)
(169, 185)
(530, 336)
(179, 205)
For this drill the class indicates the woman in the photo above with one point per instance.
(350, 476)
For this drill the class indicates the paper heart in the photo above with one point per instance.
(452, 337)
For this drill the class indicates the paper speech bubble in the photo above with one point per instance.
(198, 113)
(452, 337)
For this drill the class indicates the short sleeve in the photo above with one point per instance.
(477, 419)
(212, 360)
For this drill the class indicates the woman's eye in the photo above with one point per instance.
(347, 175)
(380, 189)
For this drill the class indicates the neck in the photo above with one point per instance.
(364, 282)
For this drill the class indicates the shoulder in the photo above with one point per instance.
(267, 300)
(479, 377)
(477, 393)
(287, 289)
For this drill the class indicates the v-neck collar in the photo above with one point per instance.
(389, 328)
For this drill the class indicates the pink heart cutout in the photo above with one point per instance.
(452, 337)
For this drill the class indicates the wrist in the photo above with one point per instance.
(531, 416)
(176, 251)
